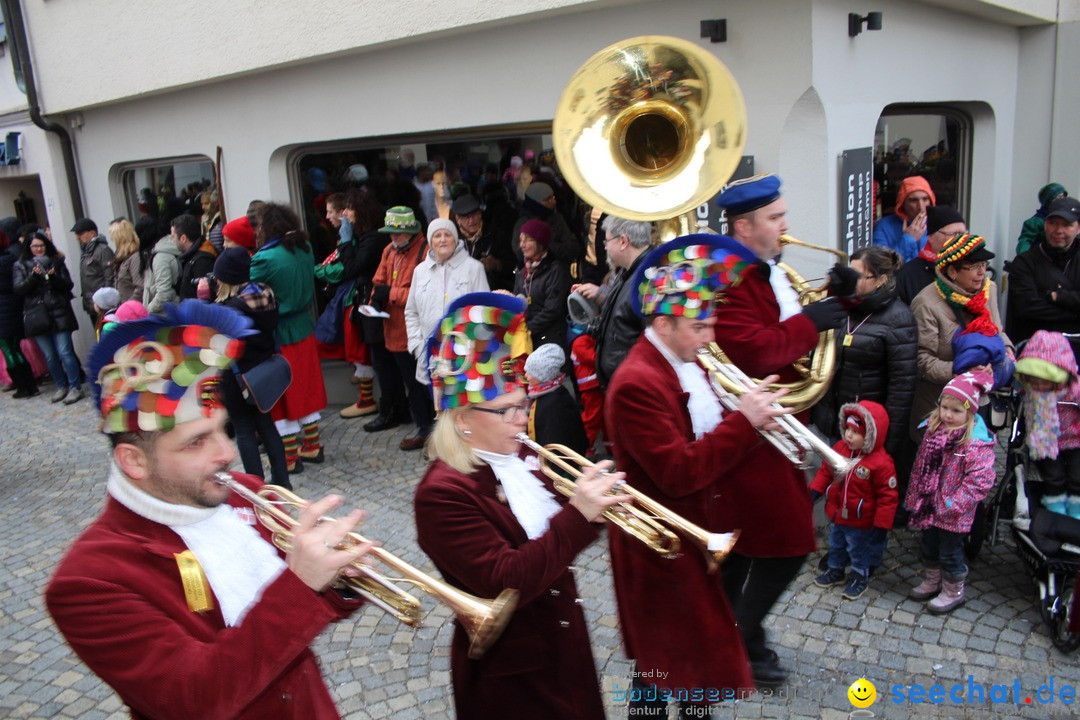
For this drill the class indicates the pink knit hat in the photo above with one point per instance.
(968, 388)
(130, 310)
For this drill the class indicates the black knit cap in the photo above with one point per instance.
(233, 266)
(938, 216)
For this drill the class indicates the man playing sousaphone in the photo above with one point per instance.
(676, 446)
(489, 520)
(763, 329)
(171, 596)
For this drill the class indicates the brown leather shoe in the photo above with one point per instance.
(413, 443)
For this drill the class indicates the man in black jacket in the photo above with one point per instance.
(625, 242)
(1044, 282)
(197, 255)
(487, 240)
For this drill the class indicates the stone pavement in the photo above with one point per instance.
(52, 469)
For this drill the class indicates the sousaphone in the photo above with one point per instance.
(649, 129)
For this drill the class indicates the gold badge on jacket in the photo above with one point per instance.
(196, 587)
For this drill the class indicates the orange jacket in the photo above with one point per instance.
(396, 270)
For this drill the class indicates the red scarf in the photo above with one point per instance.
(927, 253)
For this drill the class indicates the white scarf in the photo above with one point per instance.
(532, 504)
(238, 563)
(704, 407)
(786, 296)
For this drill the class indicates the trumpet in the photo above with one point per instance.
(647, 520)
(483, 620)
(793, 439)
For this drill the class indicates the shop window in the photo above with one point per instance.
(477, 161)
(166, 188)
(931, 141)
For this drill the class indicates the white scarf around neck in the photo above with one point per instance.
(786, 297)
(237, 562)
(704, 407)
(532, 504)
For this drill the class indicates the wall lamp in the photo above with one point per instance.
(855, 22)
(715, 30)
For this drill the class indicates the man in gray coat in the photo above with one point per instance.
(96, 265)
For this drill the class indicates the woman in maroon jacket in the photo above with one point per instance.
(490, 521)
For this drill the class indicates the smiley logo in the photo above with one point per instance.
(862, 693)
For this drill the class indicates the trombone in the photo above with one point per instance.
(793, 439)
(483, 620)
(647, 520)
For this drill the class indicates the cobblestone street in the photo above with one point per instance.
(53, 465)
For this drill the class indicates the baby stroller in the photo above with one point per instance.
(1048, 543)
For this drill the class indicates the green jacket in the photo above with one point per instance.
(291, 275)
(1030, 233)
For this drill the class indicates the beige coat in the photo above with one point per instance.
(937, 323)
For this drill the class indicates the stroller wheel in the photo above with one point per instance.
(1060, 614)
(973, 541)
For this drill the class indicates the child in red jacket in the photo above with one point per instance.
(862, 503)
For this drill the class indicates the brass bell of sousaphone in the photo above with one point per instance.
(649, 129)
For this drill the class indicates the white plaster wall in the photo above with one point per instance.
(923, 54)
(1065, 148)
(11, 98)
(135, 47)
(1034, 123)
(515, 81)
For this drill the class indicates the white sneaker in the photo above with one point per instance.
(60, 394)
(74, 395)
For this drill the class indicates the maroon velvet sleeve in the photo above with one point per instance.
(454, 528)
(748, 330)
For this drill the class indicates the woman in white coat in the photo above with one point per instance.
(446, 274)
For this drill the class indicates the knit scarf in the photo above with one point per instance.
(535, 391)
(977, 305)
(926, 474)
(1043, 424)
(530, 269)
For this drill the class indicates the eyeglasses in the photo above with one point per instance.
(611, 238)
(981, 265)
(511, 413)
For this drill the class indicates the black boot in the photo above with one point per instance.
(23, 380)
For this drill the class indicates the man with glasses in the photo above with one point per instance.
(487, 240)
(625, 242)
(942, 223)
(1044, 282)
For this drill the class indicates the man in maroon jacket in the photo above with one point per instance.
(172, 596)
(763, 329)
(677, 446)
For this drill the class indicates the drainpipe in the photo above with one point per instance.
(16, 33)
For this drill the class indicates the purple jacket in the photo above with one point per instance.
(967, 476)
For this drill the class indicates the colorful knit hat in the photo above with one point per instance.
(683, 277)
(400, 220)
(478, 350)
(969, 388)
(156, 373)
(971, 248)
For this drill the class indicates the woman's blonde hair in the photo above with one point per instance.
(226, 291)
(933, 422)
(448, 444)
(124, 238)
